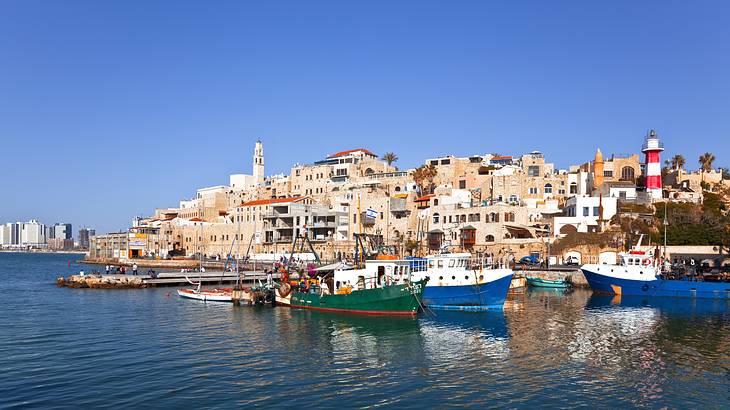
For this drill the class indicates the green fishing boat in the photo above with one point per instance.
(382, 287)
(547, 283)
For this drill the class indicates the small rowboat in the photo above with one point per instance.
(547, 283)
(209, 295)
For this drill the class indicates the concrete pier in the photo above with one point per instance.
(161, 279)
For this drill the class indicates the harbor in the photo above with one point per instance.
(365, 205)
(529, 349)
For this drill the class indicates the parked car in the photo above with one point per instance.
(530, 260)
(572, 261)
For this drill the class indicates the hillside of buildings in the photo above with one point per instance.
(483, 203)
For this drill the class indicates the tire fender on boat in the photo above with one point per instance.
(284, 290)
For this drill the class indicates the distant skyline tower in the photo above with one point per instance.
(258, 163)
(598, 171)
(652, 148)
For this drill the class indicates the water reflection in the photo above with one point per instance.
(547, 348)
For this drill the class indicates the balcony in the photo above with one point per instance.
(652, 144)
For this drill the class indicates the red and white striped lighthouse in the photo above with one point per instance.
(652, 148)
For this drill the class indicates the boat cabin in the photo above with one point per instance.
(637, 258)
(375, 274)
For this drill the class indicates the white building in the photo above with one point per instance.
(582, 214)
(33, 234)
(239, 182)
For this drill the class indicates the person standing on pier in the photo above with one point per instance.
(134, 269)
(107, 269)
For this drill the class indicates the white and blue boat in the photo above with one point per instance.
(458, 282)
(639, 273)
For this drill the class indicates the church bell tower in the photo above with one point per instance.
(258, 163)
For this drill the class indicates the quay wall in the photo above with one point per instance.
(573, 276)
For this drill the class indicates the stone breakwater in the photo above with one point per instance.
(103, 282)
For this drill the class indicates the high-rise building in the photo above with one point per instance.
(258, 163)
(33, 233)
(652, 148)
(84, 235)
(62, 231)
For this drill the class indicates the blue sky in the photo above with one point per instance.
(109, 109)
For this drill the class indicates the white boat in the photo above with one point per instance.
(207, 295)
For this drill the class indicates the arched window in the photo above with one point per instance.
(436, 218)
(369, 171)
(627, 174)
(493, 217)
(548, 188)
(489, 238)
(397, 189)
(435, 202)
(573, 188)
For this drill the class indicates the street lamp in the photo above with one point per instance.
(665, 223)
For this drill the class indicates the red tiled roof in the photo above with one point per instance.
(271, 201)
(343, 153)
(424, 198)
(196, 220)
(501, 157)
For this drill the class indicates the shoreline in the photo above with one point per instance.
(48, 252)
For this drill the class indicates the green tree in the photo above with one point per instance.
(678, 162)
(390, 158)
(706, 161)
(423, 177)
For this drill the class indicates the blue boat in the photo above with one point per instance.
(459, 283)
(639, 274)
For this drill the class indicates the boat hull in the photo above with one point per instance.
(389, 300)
(550, 284)
(487, 295)
(657, 287)
(207, 295)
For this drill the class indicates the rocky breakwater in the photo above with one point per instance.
(101, 282)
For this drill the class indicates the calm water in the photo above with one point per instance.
(68, 348)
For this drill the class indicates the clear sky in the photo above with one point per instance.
(111, 108)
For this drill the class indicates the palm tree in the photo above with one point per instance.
(390, 158)
(423, 177)
(678, 162)
(706, 161)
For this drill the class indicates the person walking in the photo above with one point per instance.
(134, 269)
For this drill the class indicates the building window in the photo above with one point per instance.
(608, 174)
(627, 174)
(436, 218)
(489, 238)
(533, 191)
(445, 161)
(548, 188)
(573, 188)
(533, 171)
(595, 211)
(586, 211)
(513, 198)
(462, 184)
